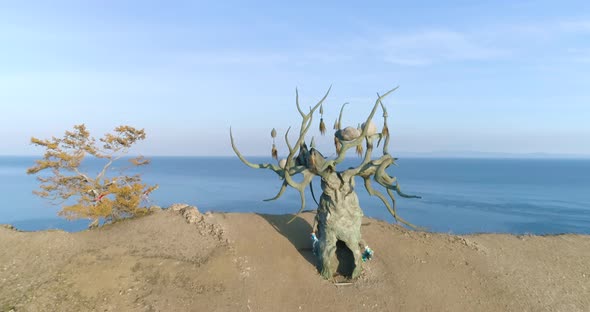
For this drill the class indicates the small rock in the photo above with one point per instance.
(8, 227)
(190, 213)
(155, 208)
(348, 134)
(372, 128)
(177, 207)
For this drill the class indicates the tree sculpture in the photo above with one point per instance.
(105, 196)
(339, 215)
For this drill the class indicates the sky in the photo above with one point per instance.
(483, 76)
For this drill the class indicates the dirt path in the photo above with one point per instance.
(249, 262)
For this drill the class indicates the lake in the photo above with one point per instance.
(536, 196)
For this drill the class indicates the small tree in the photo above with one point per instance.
(104, 196)
(339, 215)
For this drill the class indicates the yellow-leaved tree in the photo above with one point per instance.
(105, 196)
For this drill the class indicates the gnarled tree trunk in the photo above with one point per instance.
(339, 218)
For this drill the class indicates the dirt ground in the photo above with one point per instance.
(250, 262)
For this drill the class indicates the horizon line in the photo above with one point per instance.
(440, 155)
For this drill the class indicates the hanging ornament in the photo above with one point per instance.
(385, 130)
(337, 145)
(274, 152)
(359, 150)
(322, 125)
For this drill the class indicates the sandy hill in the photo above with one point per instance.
(250, 262)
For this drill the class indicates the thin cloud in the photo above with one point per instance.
(427, 47)
(435, 46)
(232, 58)
(575, 26)
(261, 58)
(579, 55)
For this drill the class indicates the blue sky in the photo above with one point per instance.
(501, 76)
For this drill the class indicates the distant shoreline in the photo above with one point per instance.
(483, 156)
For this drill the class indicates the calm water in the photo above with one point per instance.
(459, 195)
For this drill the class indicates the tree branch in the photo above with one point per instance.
(346, 145)
(272, 167)
(281, 191)
(307, 178)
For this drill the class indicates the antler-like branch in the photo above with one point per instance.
(385, 131)
(306, 120)
(291, 168)
(310, 162)
(272, 167)
(307, 177)
(278, 170)
(339, 120)
(280, 193)
(390, 207)
(287, 140)
(346, 145)
(305, 124)
(376, 168)
(377, 171)
(386, 181)
(297, 103)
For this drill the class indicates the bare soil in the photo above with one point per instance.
(250, 262)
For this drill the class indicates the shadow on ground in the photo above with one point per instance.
(297, 232)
